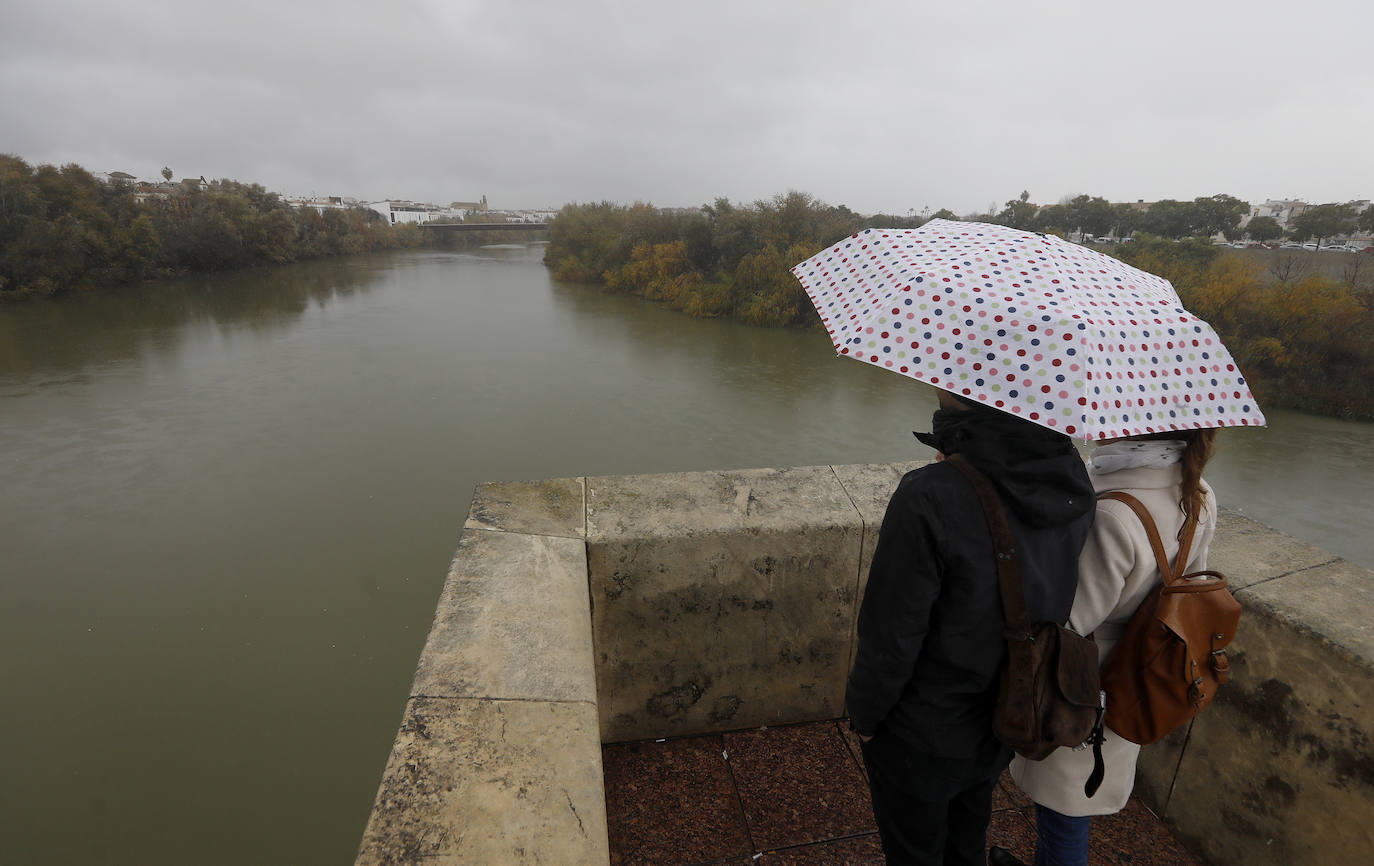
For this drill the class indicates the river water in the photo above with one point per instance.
(228, 503)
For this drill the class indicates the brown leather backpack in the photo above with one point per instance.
(1049, 694)
(1172, 658)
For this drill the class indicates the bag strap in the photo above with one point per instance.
(1014, 596)
(1169, 573)
(1008, 567)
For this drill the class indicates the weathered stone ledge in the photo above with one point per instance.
(588, 610)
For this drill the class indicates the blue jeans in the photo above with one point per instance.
(1061, 840)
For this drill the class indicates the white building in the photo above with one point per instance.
(397, 212)
(1281, 210)
(320, 205)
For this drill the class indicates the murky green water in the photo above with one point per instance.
(227, 506)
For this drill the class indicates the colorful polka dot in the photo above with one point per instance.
(1068, 337)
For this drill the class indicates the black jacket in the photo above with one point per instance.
(930, 628)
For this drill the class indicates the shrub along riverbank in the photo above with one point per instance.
(1302, 338)
(63, 229)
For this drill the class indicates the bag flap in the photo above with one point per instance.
(1203, 614)
(1077, 669)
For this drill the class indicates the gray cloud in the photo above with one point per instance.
(878, 105)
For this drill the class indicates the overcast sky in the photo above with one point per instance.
(887, 107)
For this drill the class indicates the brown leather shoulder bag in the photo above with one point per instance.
(1049, 693)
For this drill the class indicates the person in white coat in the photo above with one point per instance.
(1116, 572)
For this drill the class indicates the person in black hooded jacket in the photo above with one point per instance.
(930, 635)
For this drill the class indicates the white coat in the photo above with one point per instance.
(1115, 573)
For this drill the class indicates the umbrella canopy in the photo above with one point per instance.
(1067, 337)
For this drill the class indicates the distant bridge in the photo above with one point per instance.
(487, 227)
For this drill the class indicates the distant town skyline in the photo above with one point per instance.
(878, 106)
(1283, 209)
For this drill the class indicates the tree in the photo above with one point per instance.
(799, 218)
(1323, 221)
(944, 213)
(1019, 212)
(1126, 219)
(166, 173)
(734, 233)
(1181, 263)
(1169, 219)
(1218, 213)
(135, 249)
(1366, 219)
(1052, 218)
(1263, 228)
(1090, 214)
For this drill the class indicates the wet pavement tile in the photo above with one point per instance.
(1007, 796)
(1136, 837)
(797, 796)
(672, 803)
(857, 850)
(1011, 830)
(851, 739)
(799, 784)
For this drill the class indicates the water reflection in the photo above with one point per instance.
(785, 369)
(42, 339)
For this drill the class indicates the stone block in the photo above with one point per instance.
(720, 600)
(1248, 552)
(553, 507)
(1334, 602)
(1277, 769)
(678, 503)
(477, 781)
(512, 622)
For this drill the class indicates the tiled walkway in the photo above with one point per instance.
(797, 795)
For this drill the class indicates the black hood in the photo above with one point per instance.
(1037, 471)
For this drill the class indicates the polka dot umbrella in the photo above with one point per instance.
(1062, 335)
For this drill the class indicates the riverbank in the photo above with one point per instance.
(1296, 325)
(63, 230)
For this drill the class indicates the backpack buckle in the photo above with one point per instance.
(1221, 665)
(1195, 693)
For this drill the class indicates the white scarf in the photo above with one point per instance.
(1151, 453)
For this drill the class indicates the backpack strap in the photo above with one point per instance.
(1008, 567)
(1169, 573)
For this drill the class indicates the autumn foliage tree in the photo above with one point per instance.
(1301, 343)
(724, 259)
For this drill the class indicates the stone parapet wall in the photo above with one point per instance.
(498, 759)
(720, 600)
(582, 611)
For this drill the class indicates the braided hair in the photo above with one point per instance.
(1200, 446)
